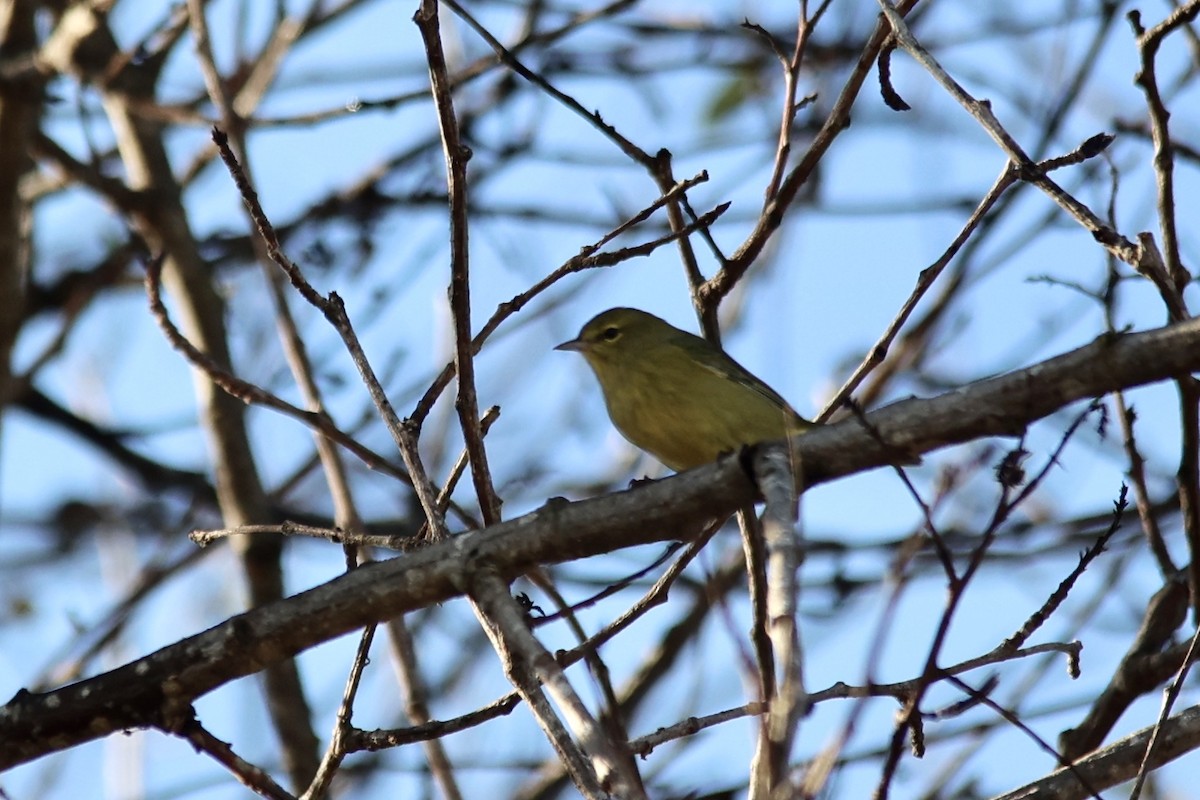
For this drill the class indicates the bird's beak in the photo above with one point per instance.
(575, 344)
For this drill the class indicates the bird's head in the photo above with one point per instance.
(619, 336)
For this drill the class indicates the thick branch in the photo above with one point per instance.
(1116, 763)
(156, 689)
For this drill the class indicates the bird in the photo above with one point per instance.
(675, 395)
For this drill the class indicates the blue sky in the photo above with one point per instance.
(829, 284)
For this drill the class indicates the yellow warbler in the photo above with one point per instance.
(675, 395)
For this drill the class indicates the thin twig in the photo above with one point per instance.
(456, 154)
(334, 310)
(1031, 172)
(337, 747)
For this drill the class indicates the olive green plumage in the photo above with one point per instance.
(675, 395)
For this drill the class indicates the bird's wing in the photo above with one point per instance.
(728, 368)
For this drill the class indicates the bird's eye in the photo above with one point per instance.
(610, 334)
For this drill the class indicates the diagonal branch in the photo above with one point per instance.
(138, 694)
